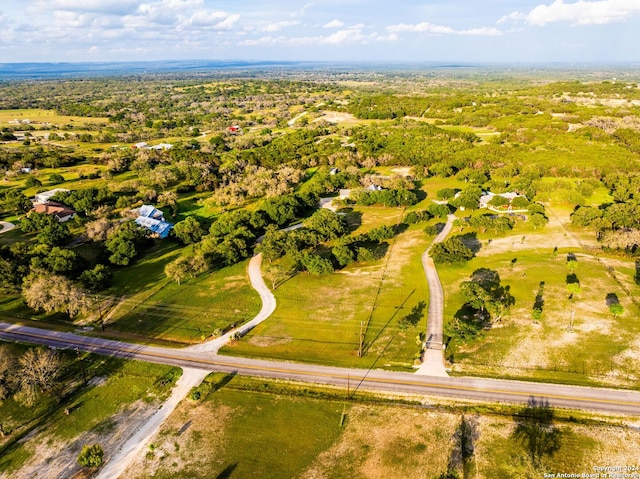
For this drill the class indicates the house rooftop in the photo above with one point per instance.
(159, 227)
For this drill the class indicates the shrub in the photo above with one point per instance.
(56, 178)
(91, 456)
(414, 217)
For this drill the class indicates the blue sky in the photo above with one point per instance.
(321, 30)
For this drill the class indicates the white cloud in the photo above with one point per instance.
(277, 26)
(578, 13)
(349, 36)
(303, 11)
(426, 27)
(111, 7)
(344, 36)
(214, 20)
(333, 24)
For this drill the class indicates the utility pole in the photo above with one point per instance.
(361, 339)
(100, 312)
(84, 373)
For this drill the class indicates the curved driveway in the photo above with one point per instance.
(6, 226)
(268, 307)
(433, 361)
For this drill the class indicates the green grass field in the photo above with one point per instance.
(38, 117)
(319, 318)
(152, 306)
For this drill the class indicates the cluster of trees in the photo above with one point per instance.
(391, 197)
(47, 228)
(484, 293)
(488, 221)
(617, 224)
(486, 300)
(13, 202)
(362, 248)
(28, 375)
(85, 200)
(452, 250)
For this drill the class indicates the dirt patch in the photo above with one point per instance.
(277, 337)
(187, 441)
(402, 170)
(553, 235)
(54, 458)
(338, 117)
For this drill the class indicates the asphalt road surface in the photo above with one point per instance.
(557, 395)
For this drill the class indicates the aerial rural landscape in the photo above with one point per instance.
(279, 268)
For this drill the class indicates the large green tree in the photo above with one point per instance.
(452, 250)
(485, 293)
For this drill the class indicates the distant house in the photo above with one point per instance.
(235, 129)
(26, 169)
(149, 211)
(61, 212)
(486, 198)
(142, 144)
(157, 227)
(374, 188)
(334, 171)
(161, 146)
(152, 219)
(45, 196)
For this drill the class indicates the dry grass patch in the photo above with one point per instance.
(388, 442)
(54, 458)
(189, 440)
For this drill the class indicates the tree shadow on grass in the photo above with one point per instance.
(471, 241)
(227, 471)
(572, 279)
(414, 317)
(464, 440)
(354, 220)
(536, 432)
(611, 299)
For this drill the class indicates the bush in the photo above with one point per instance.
(414, 217)
(32, 181)
(91, 456)
(56, 178)
(432, 230)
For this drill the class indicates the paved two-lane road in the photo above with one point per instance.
(604, 400)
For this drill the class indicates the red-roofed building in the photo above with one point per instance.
(60, 211)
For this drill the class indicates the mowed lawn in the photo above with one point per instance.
(152, 306)
(319, 319)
